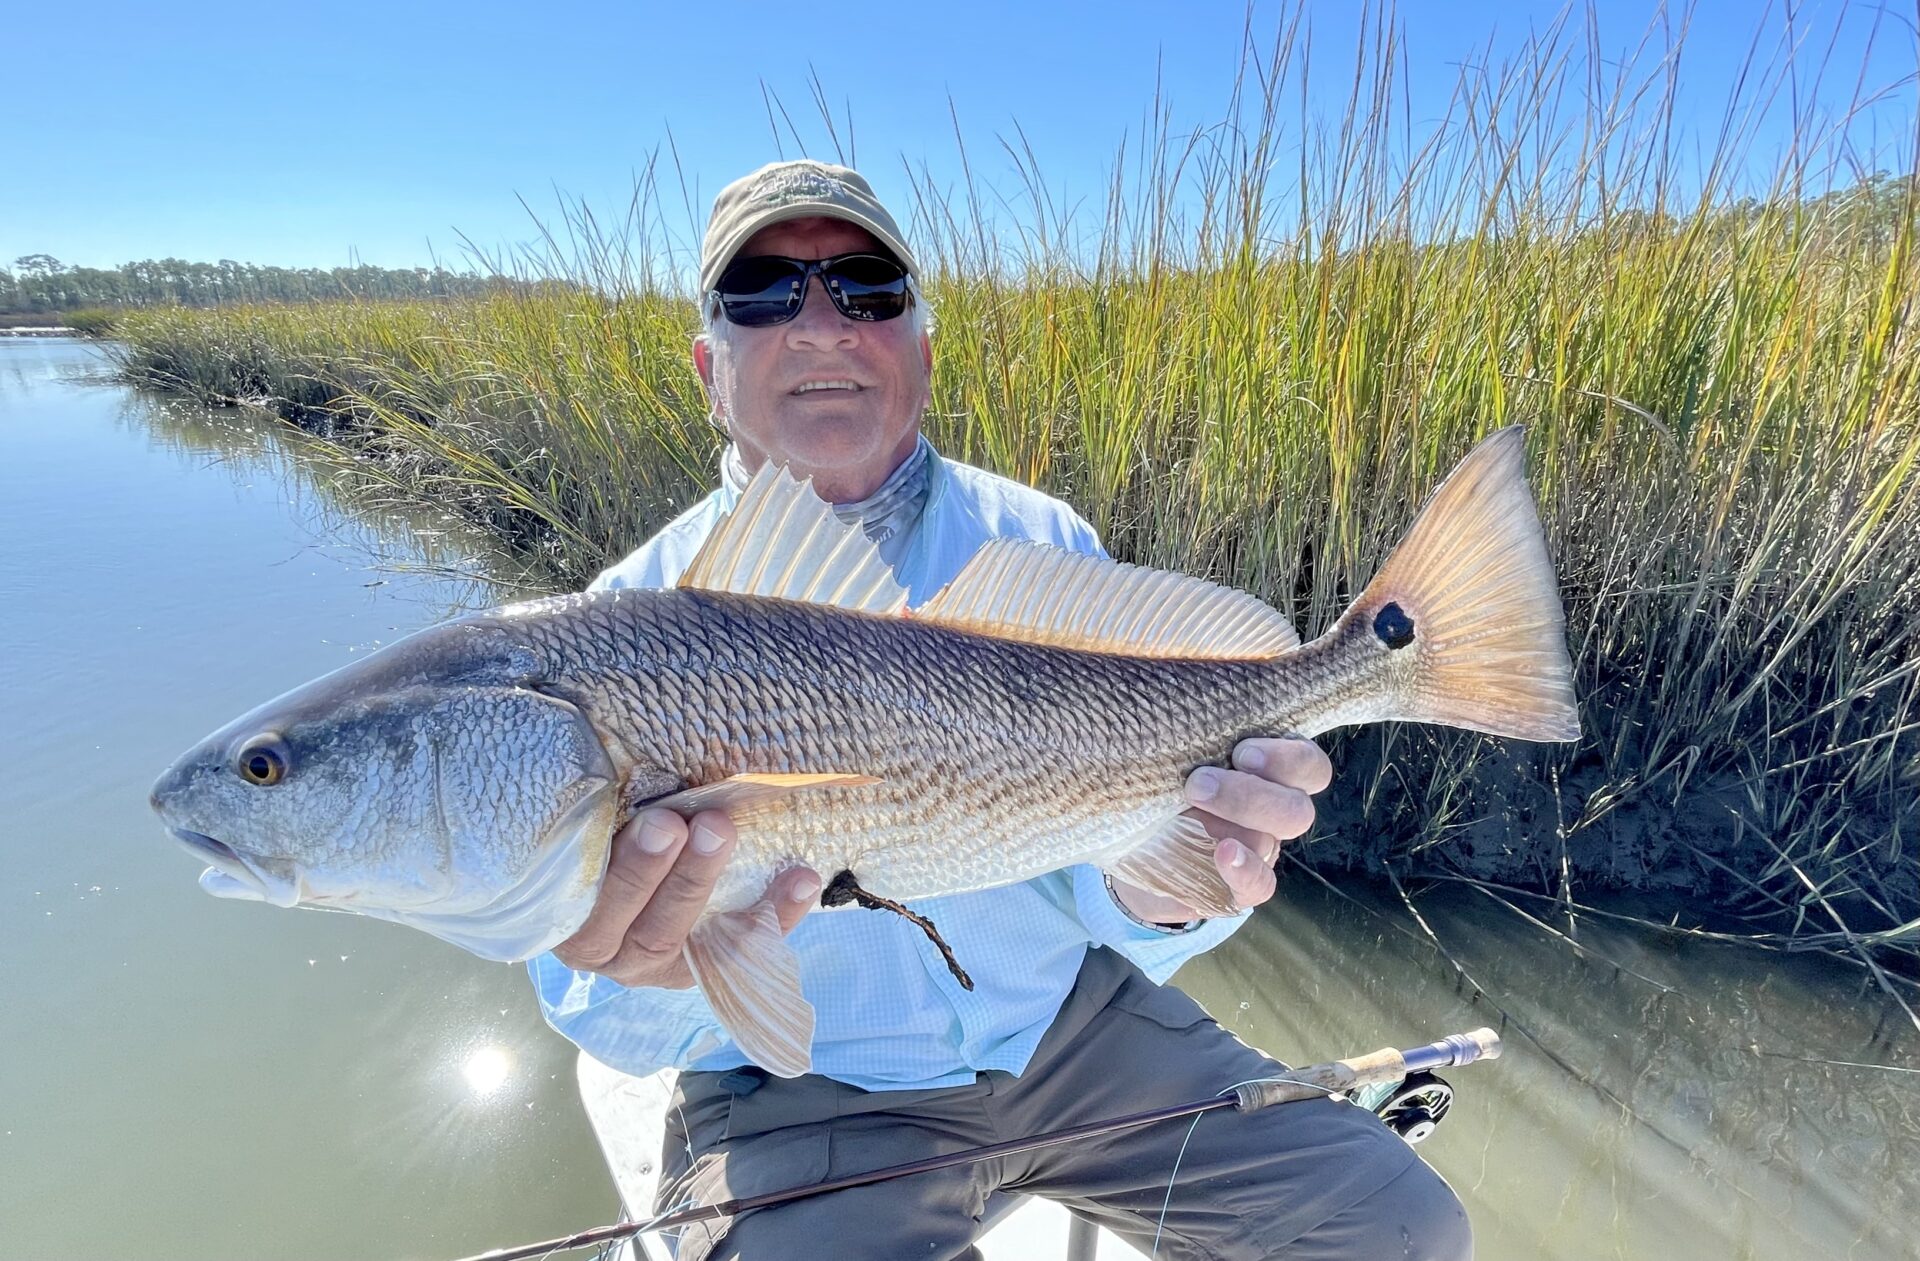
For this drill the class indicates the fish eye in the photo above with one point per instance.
(262, 761)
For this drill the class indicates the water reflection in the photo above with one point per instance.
(487, 1069)
(234, 1079)
(343, 509)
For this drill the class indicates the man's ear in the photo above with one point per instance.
(703, 362)
(926, 352)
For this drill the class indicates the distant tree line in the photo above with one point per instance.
(1873, 212)
(41, 283)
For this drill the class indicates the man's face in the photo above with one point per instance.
(849, 437)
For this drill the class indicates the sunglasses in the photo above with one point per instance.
(770, 289)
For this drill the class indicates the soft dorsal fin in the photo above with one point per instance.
(1038, 593)
(784, 542)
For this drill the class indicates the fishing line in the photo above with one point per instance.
(1167, 1203)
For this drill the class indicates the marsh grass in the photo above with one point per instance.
(1259, 354)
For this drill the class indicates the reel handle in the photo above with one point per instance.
(1387, 1064)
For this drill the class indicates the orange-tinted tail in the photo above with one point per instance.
(1471, 584)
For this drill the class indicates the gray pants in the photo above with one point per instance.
(1317, 1179)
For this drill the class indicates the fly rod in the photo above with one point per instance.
(1313, 1082)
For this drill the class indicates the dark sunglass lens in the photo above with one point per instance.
(757, 291)
(752, 313)
(870, 287)
(870, 270)
(752, 277)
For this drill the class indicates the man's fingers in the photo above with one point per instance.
(1290, 760)
(1250, 880)
(643, 853)
(663, 927)
(1251, 801)
(649, 951)
(794, 892)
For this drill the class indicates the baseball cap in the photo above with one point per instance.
(799, 189)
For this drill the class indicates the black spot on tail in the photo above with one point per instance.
(1393, 626)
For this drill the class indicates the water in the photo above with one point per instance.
(1649, 1102)
(185, 1077)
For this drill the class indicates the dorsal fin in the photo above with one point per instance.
(1038, 593)
(783, 541)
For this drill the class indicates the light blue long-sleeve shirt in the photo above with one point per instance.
(888, 1013)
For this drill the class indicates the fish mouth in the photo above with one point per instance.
(232, 876)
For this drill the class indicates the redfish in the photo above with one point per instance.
(1043, 710)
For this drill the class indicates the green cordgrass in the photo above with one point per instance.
(1256, 358)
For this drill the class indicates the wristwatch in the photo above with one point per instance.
(1171, 930)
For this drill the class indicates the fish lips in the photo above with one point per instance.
(232, 876)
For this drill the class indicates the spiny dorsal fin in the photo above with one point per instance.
(784, 542)
(1038, 593)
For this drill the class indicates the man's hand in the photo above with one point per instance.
(659, 878)
(1250, 810)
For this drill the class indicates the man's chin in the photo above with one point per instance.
(838, 451)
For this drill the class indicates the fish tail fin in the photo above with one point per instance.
(1471, 589)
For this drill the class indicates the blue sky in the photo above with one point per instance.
(315, 134)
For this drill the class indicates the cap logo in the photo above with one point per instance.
(783, 188)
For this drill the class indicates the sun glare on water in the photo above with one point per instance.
(487, 1069)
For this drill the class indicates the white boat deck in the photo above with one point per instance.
(629, 1117)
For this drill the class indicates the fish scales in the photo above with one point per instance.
(997, 759)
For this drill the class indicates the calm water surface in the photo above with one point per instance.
(182, 1077)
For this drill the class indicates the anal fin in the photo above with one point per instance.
(1175, 859)
(751, 977)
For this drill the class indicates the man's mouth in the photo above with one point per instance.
(838, 383)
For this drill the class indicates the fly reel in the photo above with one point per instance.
(1415, 1107)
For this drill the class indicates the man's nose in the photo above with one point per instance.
(820, 324)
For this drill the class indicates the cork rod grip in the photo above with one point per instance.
(1319, 1080)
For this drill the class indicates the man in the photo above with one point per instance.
(817, 355)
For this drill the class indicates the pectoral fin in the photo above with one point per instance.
(739, 794)
(751, 978)
(1175, 859)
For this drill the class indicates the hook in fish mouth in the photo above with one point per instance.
(232, 876)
